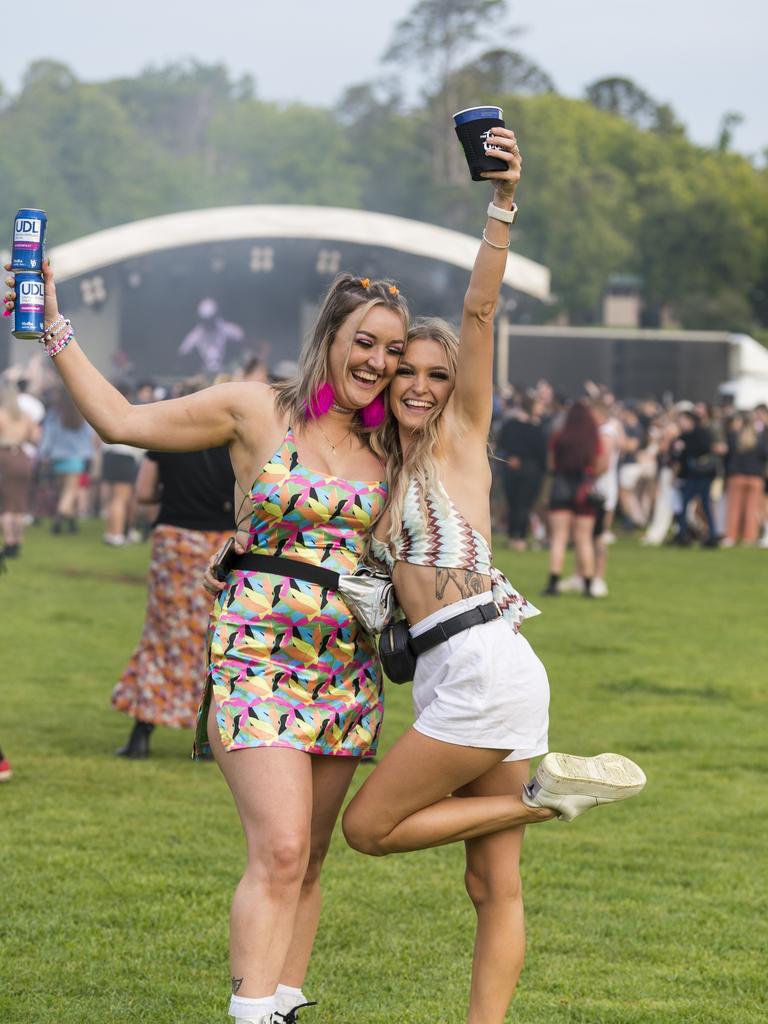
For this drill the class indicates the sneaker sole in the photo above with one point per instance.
(606, 775)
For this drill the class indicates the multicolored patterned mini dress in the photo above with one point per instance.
(289, 666)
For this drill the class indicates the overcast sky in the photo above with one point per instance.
(701, 56)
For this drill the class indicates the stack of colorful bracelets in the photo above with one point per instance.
(52, 344)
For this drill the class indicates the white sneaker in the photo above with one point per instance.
(571, 585)
(115, 540)
(599, 587)
(571, 785)
(609, 537)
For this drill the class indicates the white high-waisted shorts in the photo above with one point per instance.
(484, 687)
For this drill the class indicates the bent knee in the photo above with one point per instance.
(485, 887)
(361, 834)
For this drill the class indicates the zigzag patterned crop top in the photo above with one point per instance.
(435, 533)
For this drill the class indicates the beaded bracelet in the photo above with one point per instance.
(50, 330)
(61, 344)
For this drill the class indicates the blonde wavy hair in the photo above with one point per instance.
(419, 461)
(347, 295)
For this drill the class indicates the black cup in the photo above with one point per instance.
(472, 127)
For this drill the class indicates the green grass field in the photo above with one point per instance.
(116, 877)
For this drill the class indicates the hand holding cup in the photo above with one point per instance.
(507, 153)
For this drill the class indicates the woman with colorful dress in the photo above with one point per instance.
(293, 699)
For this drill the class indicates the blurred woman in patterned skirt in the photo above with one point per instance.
(162, 683)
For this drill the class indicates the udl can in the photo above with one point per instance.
(29, 311)
(28, 245)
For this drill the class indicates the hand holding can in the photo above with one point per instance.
(37, 293)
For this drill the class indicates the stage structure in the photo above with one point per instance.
(135, 292)
(635, 363)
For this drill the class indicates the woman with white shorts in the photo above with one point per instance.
(480, 693)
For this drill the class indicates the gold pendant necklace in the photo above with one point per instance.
(333, 447)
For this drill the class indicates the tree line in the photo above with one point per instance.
(612, 185)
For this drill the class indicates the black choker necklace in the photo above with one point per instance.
(340, 408)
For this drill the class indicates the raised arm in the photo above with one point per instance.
(203, 420)
(473, 395)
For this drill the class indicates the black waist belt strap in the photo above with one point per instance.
(290, 567)
(464, 620)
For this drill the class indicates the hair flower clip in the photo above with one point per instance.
(365, 282)
(394, 290)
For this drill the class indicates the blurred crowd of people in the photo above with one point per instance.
(575, 471)
(679, 473)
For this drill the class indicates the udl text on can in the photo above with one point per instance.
(29, 311)
(28, 244)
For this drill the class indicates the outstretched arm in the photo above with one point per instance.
(474, 378)
(206, 419)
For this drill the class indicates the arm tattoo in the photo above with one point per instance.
(467, 583)
(236, 983)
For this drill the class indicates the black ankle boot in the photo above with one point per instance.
(137, 747)
(552, 589)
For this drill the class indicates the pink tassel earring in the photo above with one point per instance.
(320, 402)
(374, 414)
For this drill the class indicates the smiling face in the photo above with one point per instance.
(364, 355)
(423, 383)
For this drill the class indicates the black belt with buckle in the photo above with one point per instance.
(293, 568)
(457, 624)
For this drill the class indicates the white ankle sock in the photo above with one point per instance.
(288, 998)
(244, 1010)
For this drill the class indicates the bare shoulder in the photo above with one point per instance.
(252, 407)
(247, 398)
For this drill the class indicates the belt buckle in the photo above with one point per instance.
(486, 609)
